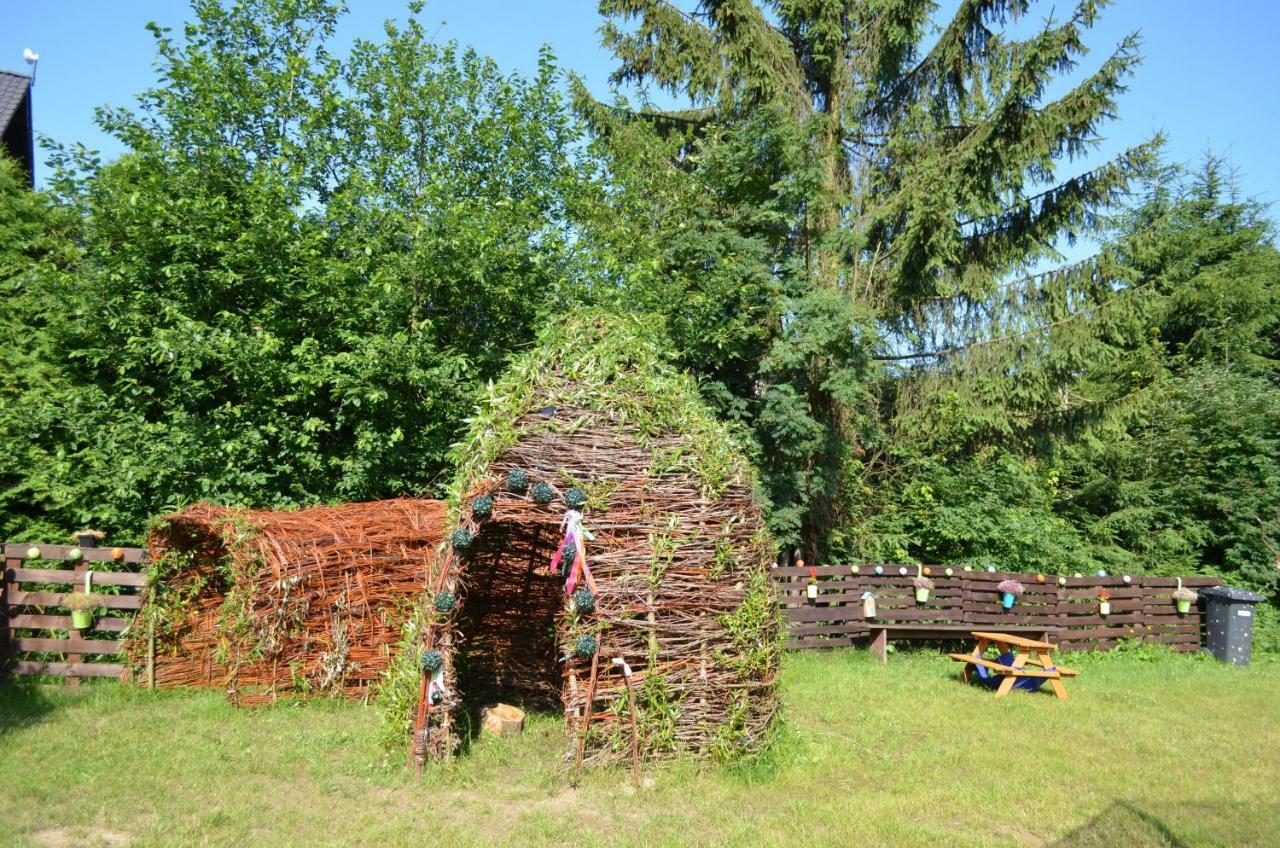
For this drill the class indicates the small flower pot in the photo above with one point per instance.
(1184, 607)
(82, 619)
(1007, 599)
(922, 596)
(1104, 608)
(812, 591)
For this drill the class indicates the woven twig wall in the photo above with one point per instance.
(265, 604)
(682, 596)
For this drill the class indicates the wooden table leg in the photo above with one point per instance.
(1059, 689)
(1006, 685)
(880, 645)
(978, 651)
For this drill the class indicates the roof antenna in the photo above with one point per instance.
(31, 57)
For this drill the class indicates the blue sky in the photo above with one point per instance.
(1209, 78)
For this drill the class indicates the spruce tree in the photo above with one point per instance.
(870, 178)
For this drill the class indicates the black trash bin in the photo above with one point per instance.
(1229, 618)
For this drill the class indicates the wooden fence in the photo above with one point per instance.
(1140, 609)
(37, 637)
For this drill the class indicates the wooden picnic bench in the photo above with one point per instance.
(1031, 660)
(882, 633)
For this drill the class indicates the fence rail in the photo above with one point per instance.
(36, 637)
(1142, 608)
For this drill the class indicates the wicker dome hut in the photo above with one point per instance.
(268, 604)
(600, 514)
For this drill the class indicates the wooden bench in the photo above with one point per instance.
(882, 633)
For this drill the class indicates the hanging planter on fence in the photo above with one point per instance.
(923, 586)
(82, 607)
(1009, 591)
(1104, 602)
(811, 590)
(1184, 597)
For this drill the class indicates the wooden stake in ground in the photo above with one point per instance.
(631, 707)
(586, 716)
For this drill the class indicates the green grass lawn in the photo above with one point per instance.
(1149, 750)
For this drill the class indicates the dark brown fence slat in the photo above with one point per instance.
(63, 669)
(106, 624)
(18, 551)
(100, 578)
(55, 599)
(67, 646)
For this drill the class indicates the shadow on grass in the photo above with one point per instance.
(1122, 823)
(22, 705)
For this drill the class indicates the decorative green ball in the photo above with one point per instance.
(461, 538)
(586, 647)
(583, 601)
(517, 481)
(33, 552)
(445, 601)
(482, 506)
(432, 661)
(541, 493)
(74, 554)
(575, 498)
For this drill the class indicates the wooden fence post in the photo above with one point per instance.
(6, 643)
(74, 659)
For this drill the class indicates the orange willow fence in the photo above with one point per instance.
(1140, 607)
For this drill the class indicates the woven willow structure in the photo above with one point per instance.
(269, 604)
(678, 560)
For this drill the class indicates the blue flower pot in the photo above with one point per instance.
(1007, 599)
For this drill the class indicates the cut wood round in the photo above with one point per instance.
(502, 719)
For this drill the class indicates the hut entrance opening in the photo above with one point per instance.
(509, 645)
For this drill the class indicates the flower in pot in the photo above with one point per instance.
(1009, 591)
(923, 586)
(1104, 602)
(82, 607)
(811, 590)
(1184, 598)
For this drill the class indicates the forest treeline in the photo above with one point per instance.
(293, 283)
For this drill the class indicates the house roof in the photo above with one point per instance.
(13, 88)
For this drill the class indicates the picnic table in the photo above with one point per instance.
(1022, 663)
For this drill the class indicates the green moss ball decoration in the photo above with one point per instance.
(461, 538)
(575, 498)
(586, 647)
(445, 601)
(583, 601)
(482, 506)
(432, 661)
(541, 493)
(517, 481)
